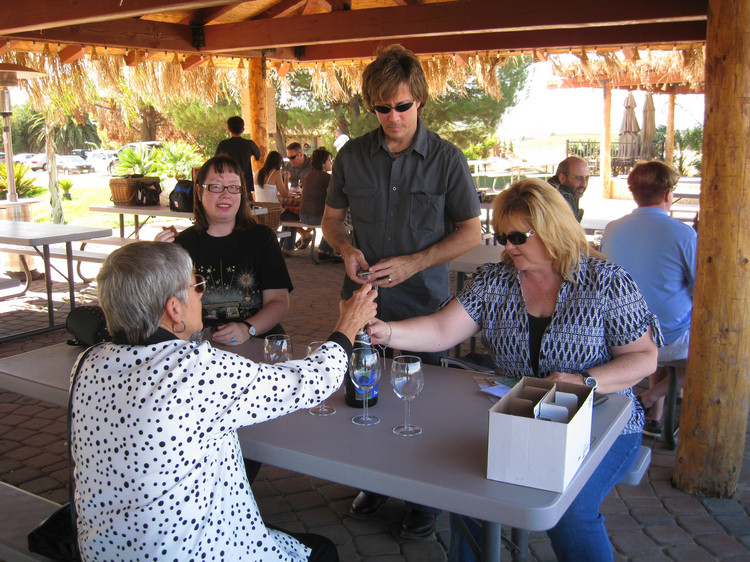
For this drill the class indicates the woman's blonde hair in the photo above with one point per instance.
(541, 205)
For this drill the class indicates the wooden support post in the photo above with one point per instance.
(717, 392)
(669, 141)
(605, 147)
(256, 107)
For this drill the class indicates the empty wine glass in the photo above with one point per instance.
(321, 409)
(365, 373)
(407, 379)
(277, 348)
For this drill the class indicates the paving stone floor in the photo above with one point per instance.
(647, 523)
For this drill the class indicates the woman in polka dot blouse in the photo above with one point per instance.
(158, 466)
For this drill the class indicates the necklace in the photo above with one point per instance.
(400, 152)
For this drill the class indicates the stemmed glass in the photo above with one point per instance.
(321, 409)
(365, 373)
(407, 379)
(277, 348)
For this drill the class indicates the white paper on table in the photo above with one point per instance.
(499, 390)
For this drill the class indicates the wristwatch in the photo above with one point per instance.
(250, 328)
(588, 380)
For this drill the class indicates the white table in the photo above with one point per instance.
(444, 467)
(41, 235)
(149, 212)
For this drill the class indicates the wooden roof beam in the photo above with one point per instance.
(43, 14)
(283, 9)
(6, 45)
(126, 34)
(460, 18)
(207, 15)
(136, 57)
(71, 53)
(649, 34)
(193, 61)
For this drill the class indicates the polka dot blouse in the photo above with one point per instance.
(158, 467)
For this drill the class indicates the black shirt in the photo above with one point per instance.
(237, 268)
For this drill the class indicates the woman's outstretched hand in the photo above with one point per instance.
(357, 311)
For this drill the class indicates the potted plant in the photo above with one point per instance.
(66, 186)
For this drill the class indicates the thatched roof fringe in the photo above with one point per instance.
(680, 66)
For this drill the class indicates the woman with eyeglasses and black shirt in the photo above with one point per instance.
(551, 308)
(248, 284)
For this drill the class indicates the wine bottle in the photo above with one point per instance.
(352, 395)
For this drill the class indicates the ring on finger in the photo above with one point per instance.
(389, 279)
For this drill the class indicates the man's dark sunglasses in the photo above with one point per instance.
(516, 238)
(386, 109)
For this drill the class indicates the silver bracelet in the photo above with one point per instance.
(390, 334)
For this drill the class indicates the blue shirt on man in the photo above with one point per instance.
(659, 252)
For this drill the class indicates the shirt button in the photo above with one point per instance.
(394, 188)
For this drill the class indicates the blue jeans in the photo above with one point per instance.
(580, 535)
(316, 221)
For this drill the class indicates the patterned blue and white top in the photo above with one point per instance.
(600, 309)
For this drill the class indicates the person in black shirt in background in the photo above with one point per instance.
(240, 149)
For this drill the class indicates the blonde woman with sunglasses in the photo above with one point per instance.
(552, 308)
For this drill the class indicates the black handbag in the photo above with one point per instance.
(87, 325)
(147, 192)
(57, 537)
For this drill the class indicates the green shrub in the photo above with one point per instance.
(25, 186)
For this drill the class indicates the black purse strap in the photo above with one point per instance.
(71, 481)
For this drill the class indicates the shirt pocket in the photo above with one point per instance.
(362, 202)
(427, 209)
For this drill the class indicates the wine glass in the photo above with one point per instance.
(407, 379)
(365, 373)
(321, 409)
(277, 348)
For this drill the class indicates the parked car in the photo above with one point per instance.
(38, 162)
(73, 165)
(23, 158)
(33, 161)
(104, 161)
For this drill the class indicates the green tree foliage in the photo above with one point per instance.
(688, 146)
(67, 135)
(23, 126)
(206, 124)
(465, 120)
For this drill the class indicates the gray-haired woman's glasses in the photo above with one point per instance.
(200, 283)
(218, 188)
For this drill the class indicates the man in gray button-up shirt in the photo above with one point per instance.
(413, 203)
(414, 208)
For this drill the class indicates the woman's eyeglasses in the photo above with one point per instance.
(200, 283)
(386, 109)
(218, 188)
(516, 238)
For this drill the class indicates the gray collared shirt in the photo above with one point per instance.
(403, 205)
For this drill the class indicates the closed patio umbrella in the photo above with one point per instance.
(649, 129)
(629, 130)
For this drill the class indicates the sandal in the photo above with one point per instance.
(303, 243)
